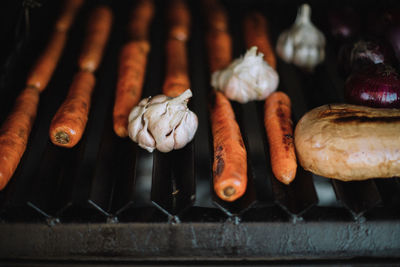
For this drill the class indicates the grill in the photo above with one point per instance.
(108, 200)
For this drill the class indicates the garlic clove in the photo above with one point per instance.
(145, 139)
(135, 117)
(184, 132)
(139, 109)
(159, 99)
(134, 128)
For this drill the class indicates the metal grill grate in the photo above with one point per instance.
(106, 195)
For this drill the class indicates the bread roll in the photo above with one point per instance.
(349, 142)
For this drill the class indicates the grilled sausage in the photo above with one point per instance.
(349, 142)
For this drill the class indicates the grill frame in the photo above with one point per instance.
(201, 241)
(82, 218)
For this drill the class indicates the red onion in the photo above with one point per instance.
(393, 37)
(344, 23)
(375, 86)
(363, 53)
(379, 21)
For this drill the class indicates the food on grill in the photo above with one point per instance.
(277, 107)
(177, 78)
(14, 132)
(247, 78)
(44, 67)
(98, 30)
(353, 57)
(216, 15)
(393, 38)
(221, 43)
(132, 66)
(131, 72)
(179, 20)
(349, 142)
(141, 17)
(230, 157)
(69, 122)
(344, 23)
(69, 11)
(229, 166)
(302, 44)
(218, 40)
(375, 86)
(163, 123)
(279, 128)
(256, 34)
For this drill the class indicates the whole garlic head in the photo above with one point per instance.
(246, 78)
(303, 44)
(163, 123)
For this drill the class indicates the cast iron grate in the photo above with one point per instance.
(110, 181)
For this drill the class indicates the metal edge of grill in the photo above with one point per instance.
(107, 199)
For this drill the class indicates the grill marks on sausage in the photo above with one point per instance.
(367, 119)
(348, 115)
(331, 112)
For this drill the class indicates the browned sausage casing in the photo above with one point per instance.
(349, 142)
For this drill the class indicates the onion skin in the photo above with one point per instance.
(393, 37)
(356, 56)
(344, 23)
(375, 86)
(379, 21)
(386, 24)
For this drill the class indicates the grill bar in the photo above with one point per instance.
(27, 175)
(173, 180)
(389, 189)
(80, 176)
(109, 198)
(358, 197)
(116, 158)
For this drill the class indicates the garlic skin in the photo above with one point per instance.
(247, 78)
(163, 123)
(302, 44)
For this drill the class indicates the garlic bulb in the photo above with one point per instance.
(246, 78)
(163, 123)
(303, 44)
